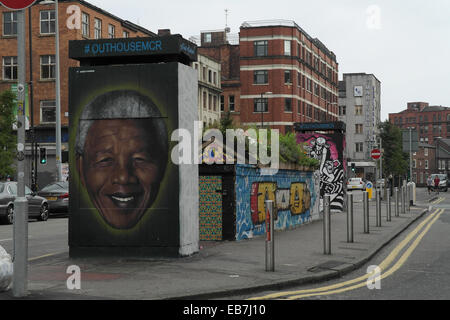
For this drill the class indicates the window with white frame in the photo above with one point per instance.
(287, 47)
(10, 23)
(48, 67)
(359, 147)
(97, 28)
(231, 102)
(48, 111)
(426, 164)
(9, 68)
(85, 25)
(111, 31)
(48, 22)
(126, 34)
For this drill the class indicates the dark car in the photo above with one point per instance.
(37, 206)
(57, 195)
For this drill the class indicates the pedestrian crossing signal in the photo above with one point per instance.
(43, 155)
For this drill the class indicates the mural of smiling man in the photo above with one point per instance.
(121, 155)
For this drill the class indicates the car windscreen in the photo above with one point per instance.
(56, 187)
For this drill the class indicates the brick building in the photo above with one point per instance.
(286, 76)
(433, 126)
(78, 20)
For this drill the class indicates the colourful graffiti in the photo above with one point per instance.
(293, 192)
(210, 208)
(296, 199)
(328, 149)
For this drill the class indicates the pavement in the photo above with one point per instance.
(228, 268)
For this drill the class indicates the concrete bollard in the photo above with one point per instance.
(397, 205)
(388, 206)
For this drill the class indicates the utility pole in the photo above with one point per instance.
(58, 100)
(20, 204)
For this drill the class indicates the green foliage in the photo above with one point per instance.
(292, 152)
(395, 161)
(7, 136)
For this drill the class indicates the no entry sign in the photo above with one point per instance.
(375, 154)
(17, 4)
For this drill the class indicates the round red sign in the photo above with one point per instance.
(17, 4)
(375, 154)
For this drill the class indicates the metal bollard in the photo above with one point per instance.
(403, 200)
(397, 205)
(350, 217)
(378, 213)
(366, 211)
(408, 197)
(270, 242)
(388, 206)
(326, 225)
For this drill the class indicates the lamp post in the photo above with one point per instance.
(261, 106)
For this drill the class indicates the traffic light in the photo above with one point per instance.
(353, 167)
(43, 155)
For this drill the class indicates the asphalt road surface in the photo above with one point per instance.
(416, 266)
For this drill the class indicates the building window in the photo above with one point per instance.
(359, 147)
(205, 100)
(287, 77)
(358, 110)
(358, 128)
(426, 164)
(316, 89)
(85, 25)
(222, 103)
(111, 31)
(342, 110)
(215, 103)
(9, 68)
(261, 105)
(209, 76)
(48, 111)
(287, 47)
(261, 48)
(425, 152)
(126, 34)
(207, 37)
(231, 103)
(288, 105)
(10, 23)
(48, 22)
(48, 67)
(97, 28)
(261, 77)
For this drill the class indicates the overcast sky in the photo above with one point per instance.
(404, 43)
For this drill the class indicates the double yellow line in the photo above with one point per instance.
(383, 267)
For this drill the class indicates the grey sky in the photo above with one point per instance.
(408, 53)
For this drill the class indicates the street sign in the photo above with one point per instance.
(17, 4)
(375, 154)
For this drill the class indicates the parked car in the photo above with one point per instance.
(380, 183)
(356, 184)
(443, 181)
(57, 195)
(37, 206)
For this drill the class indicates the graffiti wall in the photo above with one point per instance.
(329, 151)
(293, 193)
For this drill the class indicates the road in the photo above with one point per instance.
(45, 238)
(416, 266)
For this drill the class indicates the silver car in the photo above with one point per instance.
(37, 206)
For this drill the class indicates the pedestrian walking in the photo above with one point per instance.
(436, 183)
(429, 184)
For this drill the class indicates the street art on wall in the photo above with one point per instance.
(328, 150)
(293, 193)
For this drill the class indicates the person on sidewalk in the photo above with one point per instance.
(436, 183)
(429, 184)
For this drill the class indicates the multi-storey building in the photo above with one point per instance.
(78, 20)
(278, 75)
(286, 76)
(433, 126)
(360, 109)
(209, 89)
(218, 45)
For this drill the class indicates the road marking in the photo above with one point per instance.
(386, 262)
(4, 240)
(44, 256)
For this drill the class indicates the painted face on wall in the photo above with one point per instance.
(120, 170)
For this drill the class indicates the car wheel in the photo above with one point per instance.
(43, 216)
(9, 218)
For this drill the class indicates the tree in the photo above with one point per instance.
(395, 161)
(7, 136)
